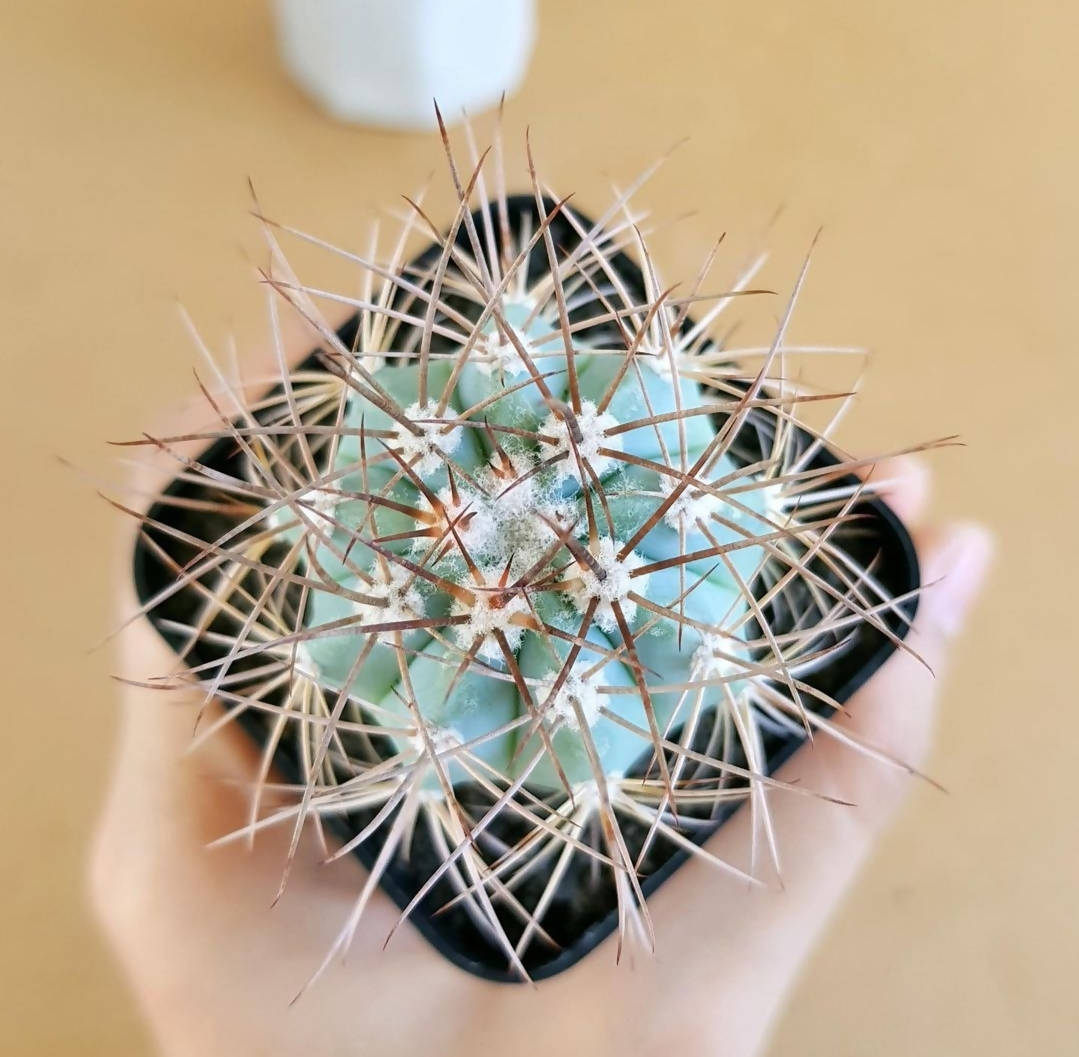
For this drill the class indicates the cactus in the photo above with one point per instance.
(525, 577)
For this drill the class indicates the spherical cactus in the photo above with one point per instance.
(524, 579)
(526, 513)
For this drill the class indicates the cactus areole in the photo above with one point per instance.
(523, 582)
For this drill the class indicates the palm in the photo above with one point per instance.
(216, 967)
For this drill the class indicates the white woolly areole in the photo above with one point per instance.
(508, 519)
(777, 506)
(429, 445)
(498, 356)
(510, 494)
(612, 587)
(691, 506)
(442, 739)
(320, 506)
(473, 520)
(593, 427)
(577, 688)
(489, 613)
(403, 600)
(708, 661)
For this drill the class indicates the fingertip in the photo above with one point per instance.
(954, 569)
(904, 482)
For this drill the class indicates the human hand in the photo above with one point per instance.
(214, 967)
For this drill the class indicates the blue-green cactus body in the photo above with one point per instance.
(503, 519)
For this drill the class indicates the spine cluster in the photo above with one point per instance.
(525, 566)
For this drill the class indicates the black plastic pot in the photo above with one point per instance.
(583, 914)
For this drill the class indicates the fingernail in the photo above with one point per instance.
(961, 568)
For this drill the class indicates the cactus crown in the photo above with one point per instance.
(524, 570)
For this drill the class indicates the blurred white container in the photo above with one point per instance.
(385, 62)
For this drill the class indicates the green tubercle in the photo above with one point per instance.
(508, 479)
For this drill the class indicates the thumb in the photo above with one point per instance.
(895, 711)
(822, 845)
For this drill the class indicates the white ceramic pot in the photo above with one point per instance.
(385, 62)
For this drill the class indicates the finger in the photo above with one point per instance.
(762, 935)
(153, 881)
(894, 713)
(166, 804)
(212, 959)
(252, 375)
(904, 483)
(156, 790)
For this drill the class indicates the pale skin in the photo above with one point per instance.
(214, 965)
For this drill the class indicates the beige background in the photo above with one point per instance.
(937, 145)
